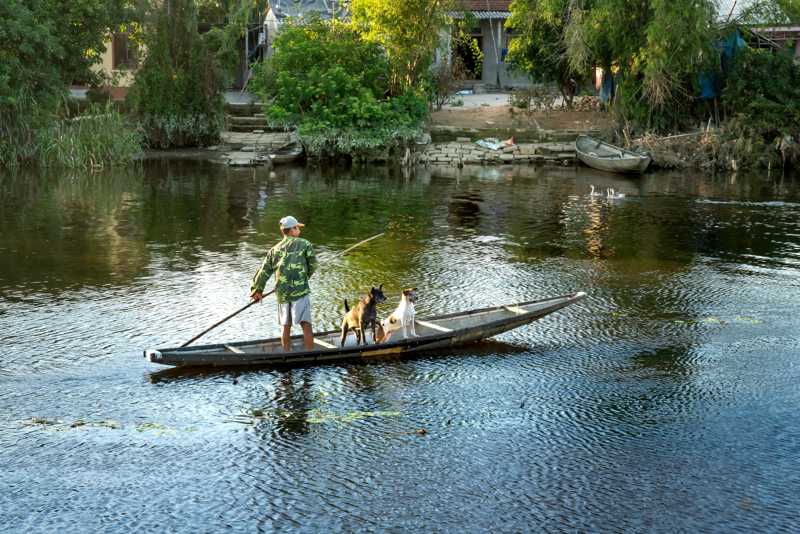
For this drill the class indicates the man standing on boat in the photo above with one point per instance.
(293, 262)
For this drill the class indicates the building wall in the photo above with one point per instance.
(120, 77)
(119, 80)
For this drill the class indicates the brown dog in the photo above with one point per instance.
(363, 315)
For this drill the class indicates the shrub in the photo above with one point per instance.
(444, 79)
(762, 94)
(331, 85)
(538, 96)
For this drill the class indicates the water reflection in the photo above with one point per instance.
(293, 398)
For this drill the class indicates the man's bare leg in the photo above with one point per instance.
(285, 337)
(308, 335)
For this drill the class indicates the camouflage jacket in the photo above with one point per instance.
(293, 262)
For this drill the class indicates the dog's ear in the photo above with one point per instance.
(380, 287)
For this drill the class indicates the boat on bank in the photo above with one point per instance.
(607, 157)
(440, 332)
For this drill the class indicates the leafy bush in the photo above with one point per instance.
(177, 94)
(331, 85)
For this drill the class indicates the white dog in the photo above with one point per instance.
(402, 318)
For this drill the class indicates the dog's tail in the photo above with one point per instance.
(346, 307)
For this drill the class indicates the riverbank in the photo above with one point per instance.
(540, 138)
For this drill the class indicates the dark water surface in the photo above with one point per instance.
(666, 401)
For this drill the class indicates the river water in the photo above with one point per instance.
(665, 401)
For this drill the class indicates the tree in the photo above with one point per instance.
(410, 31)
(539, 47)
(656, 47)
(45, 45)
(332, 85)
(768, 11)
(177, 93)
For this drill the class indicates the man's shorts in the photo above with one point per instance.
(295, 312)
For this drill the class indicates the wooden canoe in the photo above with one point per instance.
(438, 332)
(607, 157)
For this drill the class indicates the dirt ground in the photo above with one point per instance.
(502, 117)
(494, 111)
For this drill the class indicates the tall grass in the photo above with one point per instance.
(32, 133)
(100, 137)
(21, 116)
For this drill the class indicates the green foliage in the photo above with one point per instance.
(409, 32)
(230, 19)
(323, 69)
(45, 45)
(769, 12)
(762, 95)
(538, 47)
(177, 94)
(21, 118)
(332, 85)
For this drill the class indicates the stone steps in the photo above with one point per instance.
(245, 109)
(257, 142)
(455, 153)
(247, 123)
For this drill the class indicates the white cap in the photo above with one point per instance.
(290, 222)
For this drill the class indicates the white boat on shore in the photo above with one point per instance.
(607, 157)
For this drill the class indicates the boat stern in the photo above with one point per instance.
(152, 355)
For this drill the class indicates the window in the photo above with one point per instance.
(124, 52)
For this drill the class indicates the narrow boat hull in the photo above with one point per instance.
(435, 333)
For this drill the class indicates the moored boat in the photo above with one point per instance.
(286, 154)
(607, 157)
(438, 332)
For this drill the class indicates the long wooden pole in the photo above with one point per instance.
(243, 308)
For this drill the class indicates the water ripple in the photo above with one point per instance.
(666, 397)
